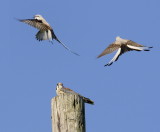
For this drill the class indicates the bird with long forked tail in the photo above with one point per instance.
(45, 30)
(122, 46)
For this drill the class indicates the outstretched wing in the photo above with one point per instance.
(35, 23)
(135, 46)
(115, 58)
(123, 49)
(132, 43)
(109, 49)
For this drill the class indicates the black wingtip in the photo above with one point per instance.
(148, 49)
(108, 64)
(98, 56)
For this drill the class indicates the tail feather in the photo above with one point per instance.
(55, 37)
(87, 100)
(139, 48)
(67, 48)
(42, 35)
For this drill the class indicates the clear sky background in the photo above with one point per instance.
(126, 94)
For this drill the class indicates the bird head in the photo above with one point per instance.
(118, 38)
(38, 17)
(59, 85)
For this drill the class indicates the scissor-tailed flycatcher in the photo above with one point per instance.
(122, 46)
(45, 30)
(60, 89)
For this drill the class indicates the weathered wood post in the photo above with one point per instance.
(68, 113)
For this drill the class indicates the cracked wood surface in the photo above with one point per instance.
(68, 113)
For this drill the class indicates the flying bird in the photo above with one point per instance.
(45, 30)
(122, 46)
(60, 89)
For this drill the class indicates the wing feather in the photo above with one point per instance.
(132, 43)
(35, 23)
(115, 58)
(109, 49)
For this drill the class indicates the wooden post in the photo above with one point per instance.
(68, 113)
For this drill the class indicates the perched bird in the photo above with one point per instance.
(60, 89)
(45, 30)
(122, 46)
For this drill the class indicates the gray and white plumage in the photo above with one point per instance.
(60, 89)
(122, 46)
(45, 30)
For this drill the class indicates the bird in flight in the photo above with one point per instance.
(60, 89)
(122, 46)
(45, 30)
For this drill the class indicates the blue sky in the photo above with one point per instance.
(126, 94)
